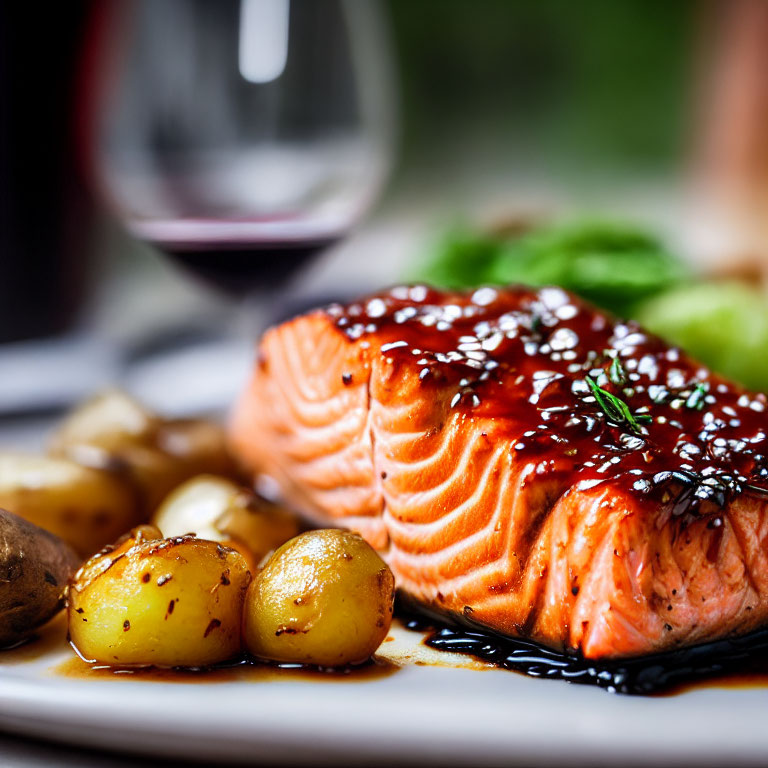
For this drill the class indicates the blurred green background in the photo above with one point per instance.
(553, 86)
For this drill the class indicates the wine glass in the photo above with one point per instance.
(241, 137)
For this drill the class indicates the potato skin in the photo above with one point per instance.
(195, 506)
(35, 567)
(257, 524)
(198, 445)
(162, 602)
(108, 420)
(324, 598)
(216, 508)
(84, 507)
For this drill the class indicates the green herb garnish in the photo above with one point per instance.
(696, 398)
(616, 373)
(616, 409)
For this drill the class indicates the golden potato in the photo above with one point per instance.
(83, 506)
(216, 508)
(323, 598)
(35, 567)
(163, 602)
(199, 446)
(108, 421)
(258, 524)
(195, 506)
(152, 473)
(113, 432)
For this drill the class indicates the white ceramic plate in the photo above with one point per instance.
(424, 715)
(420, 715)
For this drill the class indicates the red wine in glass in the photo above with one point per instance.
(237, 268)
(241, 137)
(238, 257)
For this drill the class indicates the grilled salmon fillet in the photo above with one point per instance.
(522, 461)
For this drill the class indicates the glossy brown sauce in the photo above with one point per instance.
(731, 663)
(243, 670)
(522, 357)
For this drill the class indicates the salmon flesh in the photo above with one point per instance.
(523, 461)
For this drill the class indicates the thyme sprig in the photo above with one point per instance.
(696, 398)
(616, 373)
(615, 409)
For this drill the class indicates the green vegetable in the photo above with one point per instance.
(614, 266)
(462, 259)
(723, 324)
(615, 408)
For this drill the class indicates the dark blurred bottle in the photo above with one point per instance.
(45, 213)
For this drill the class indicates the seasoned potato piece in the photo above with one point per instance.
(154, 601)
(323, 598)
(258, 524)
(198, 445)
(83, 506)
(216, 508)
(195, 506)
(34, 569)
(109, 421)
(113, 432)
(150, 471)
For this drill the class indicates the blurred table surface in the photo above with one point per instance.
(24, 753)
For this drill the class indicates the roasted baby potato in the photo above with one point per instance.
(115, 433)
(195, 506)
(83, 506)
(323, 598)
(34, 569)
(110, 421)
(215, 508)
(198, 445)
(163, 602)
